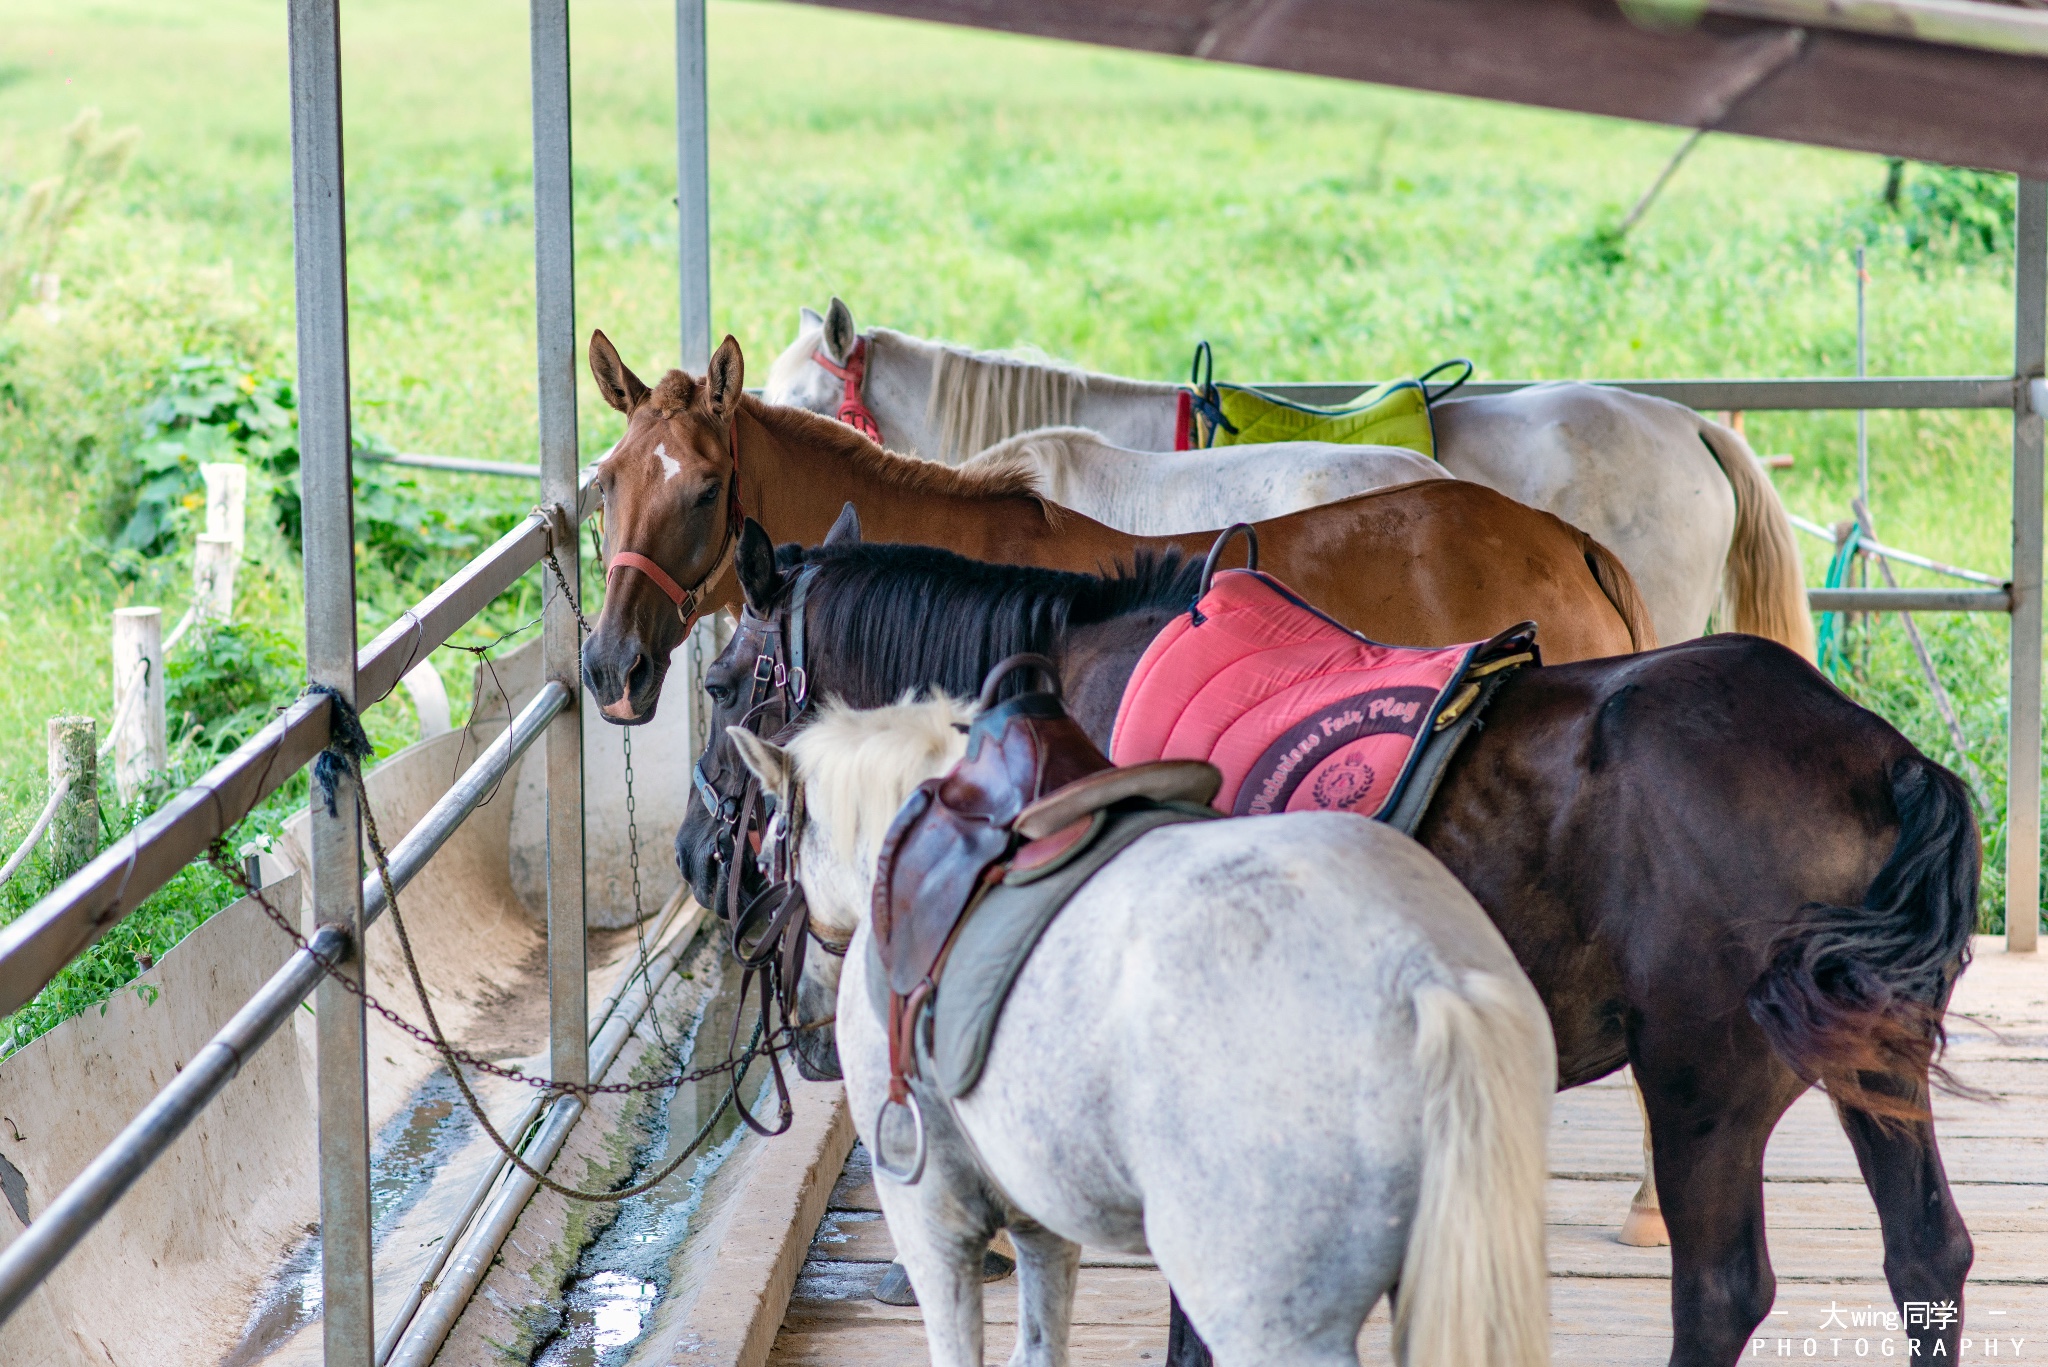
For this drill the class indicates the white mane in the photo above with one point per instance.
(857, 767)
(980, 397)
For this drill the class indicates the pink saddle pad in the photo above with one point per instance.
(1299, 712)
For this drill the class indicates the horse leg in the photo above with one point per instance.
(1711, 1113)
(1047, 1266)
(1184, 1347)
(944, 1264)
(1644, 1227)
(1927, 1251)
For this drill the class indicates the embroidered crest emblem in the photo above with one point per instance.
(1344, 784)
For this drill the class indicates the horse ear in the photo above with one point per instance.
(726, 379)
(808, 318)
(840, 334)
(769, 761)
(846, 530)
(620, 386)
(754, 559)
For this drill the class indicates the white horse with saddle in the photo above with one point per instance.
(1288, 1056)
(1682, 501)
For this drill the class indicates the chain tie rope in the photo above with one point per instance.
(341, 760)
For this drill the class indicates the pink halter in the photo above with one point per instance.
(852, 411)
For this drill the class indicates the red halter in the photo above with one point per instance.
(852, 410)
(686, 600)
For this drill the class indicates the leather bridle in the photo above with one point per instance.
(769, 931)
(689, 600)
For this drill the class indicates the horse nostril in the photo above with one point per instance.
(636, 675)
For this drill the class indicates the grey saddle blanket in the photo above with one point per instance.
(997, 938)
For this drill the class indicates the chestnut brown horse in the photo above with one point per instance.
(1713, 866)
(1421, 564)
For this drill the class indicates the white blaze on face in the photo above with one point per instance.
(670, 466)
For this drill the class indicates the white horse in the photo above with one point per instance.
(1161, 493)
(1681, 500)
(1287, 1056)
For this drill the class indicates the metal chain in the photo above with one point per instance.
(735, 1064)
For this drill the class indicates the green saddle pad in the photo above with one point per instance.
(1392, 414)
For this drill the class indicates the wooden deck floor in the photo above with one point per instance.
(1609, 1304)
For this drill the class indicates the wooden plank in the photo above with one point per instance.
(1610, 1304)
(1103, 1295)
(895, 1344)
(1864, 92)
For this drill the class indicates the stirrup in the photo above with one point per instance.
(907, 1176)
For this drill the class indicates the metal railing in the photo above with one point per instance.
(72, 917)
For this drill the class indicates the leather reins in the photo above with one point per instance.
(769, 931)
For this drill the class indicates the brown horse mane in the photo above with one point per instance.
(908, 473)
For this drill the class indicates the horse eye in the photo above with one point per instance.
(721, 694)
(708, 497)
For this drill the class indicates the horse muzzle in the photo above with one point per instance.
(624, 676)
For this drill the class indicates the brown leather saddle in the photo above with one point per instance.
(1025, 793)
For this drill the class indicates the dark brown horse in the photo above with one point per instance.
(1713, 865)
(1423, 564)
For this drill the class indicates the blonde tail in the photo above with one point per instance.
(1474, 1285)
(1620, 587)
(1763, 588)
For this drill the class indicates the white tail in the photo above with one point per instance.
(1474, 1285)
(1764, 587)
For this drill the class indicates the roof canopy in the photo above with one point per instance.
(1957, 81)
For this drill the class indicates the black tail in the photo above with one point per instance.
(1853, 996)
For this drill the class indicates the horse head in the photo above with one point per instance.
(796, 378)
(848, 773)
(745, 692)
(671, 512)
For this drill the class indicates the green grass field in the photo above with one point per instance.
(1108, 207)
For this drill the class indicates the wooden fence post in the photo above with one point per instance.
(227, 501)
(75, 829)
(139, 748)
(213, 577)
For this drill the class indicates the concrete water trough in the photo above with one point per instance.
(214, 1257)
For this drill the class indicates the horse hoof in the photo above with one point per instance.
(1644, 1228)
(895, 1288)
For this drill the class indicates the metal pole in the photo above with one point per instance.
(693, 187)
(320, 264)
(693, 257)
(2023, 762)
(554, 271)
(1862, 369)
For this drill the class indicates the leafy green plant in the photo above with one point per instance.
(205, 409)
(225, 682)
(1959, 212)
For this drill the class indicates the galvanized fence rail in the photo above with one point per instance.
(72, 917)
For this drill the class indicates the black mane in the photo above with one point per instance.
(886, 618)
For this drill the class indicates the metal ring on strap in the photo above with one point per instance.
(1251, 554)
(1022, 660)
(906, 1175)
